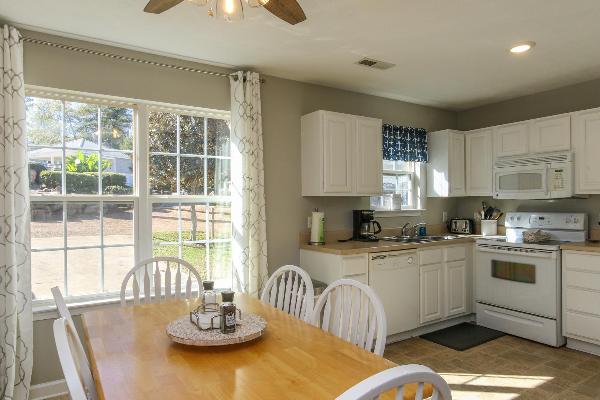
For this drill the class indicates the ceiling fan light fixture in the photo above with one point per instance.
(227, 10)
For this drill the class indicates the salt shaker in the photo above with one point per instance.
(228, 312)
(209, 296)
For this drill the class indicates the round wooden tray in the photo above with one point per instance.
(183, 331)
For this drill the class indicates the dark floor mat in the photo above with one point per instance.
(463, 336)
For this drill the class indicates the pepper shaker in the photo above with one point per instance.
(228, 312)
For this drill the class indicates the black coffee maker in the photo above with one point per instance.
(364, 226)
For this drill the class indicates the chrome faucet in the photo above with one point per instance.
(404, 228)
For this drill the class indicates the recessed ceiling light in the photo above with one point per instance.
(522, 47)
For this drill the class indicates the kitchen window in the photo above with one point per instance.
(114, 181)
(403, 187)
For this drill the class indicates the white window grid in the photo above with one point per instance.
(141, 198)
(100, 149)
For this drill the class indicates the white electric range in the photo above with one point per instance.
(518, 284)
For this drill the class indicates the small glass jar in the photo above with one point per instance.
(228, 312)
(209, 296)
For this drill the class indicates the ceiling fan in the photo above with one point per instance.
(287, 10)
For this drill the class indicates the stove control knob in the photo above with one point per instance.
(410, 260)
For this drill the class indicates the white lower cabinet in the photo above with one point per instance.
(431, 286)
(327, 267)
(417, 287)
(444, 283)
(581, 297)
(456, 288)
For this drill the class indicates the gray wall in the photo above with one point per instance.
(283, 103)
(570, 98)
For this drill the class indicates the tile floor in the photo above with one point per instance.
(506, 368)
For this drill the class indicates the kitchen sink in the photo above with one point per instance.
(418, 239)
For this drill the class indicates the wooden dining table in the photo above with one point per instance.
(132, 357)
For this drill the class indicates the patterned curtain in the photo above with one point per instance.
(403, 143)
(16, 324)
(248, 188)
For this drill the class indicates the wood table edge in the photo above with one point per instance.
(92, 359)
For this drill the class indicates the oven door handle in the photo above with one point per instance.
(519, 251)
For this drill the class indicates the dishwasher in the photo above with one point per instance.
(394, 276)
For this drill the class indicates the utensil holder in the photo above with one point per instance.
(489, 227)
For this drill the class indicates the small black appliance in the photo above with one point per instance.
(364, 226)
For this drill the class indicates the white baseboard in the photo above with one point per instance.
(583, 346)
(48, 389)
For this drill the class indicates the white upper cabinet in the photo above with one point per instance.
(341, 155)
(586, 143)
(511, 139)
(550, 134)
(446, 167)
(338, 135)
(368, 156)
(479, 162)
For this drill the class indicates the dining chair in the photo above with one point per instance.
(73, 361)
(352, 311)
(290, 289)
(151, 270)
(404, 378)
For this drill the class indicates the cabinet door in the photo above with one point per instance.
(479, 160)
(511, 140)
(586, 141)
(456, 164)
(456, 288)
(338, 136)
(550, 134)
(368, 156)
(431, 299)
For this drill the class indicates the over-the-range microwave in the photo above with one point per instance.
(544, 176)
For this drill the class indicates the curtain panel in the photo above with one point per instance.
(248, 215)
(16, 326)
(403, 143)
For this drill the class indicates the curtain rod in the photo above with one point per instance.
(125, 58)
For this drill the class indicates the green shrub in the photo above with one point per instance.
(84, 182)
(117, 189)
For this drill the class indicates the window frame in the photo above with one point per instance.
(140, 197)
(418, 192)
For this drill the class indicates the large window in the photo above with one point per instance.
(90, 219)
(402, 187)
(189, 190)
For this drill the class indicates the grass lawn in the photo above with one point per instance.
(195, 254)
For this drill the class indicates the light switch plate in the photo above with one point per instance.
(444, 216)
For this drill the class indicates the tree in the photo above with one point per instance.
(85, 163)
(45, 118)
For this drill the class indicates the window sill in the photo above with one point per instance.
(399, 213)
(47, 310)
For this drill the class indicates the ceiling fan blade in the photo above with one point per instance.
(159, 6)
(287, 10)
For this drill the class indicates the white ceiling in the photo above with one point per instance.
(449, 53)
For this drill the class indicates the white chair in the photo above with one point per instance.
(73, 361)
(352, 311)
(149, 271)
(290, 289)
(398, 378)
(61, 305)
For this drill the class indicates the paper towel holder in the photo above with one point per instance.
(317, 228)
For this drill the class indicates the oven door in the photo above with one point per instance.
(519, 279)
(521, 182)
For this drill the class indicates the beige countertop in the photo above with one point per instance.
(582, 246)
(352, 247)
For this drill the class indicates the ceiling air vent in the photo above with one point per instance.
(371, 63)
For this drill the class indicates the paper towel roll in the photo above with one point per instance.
(317, 230)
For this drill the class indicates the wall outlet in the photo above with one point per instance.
(444, 216)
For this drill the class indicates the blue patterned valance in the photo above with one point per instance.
(403, 143)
